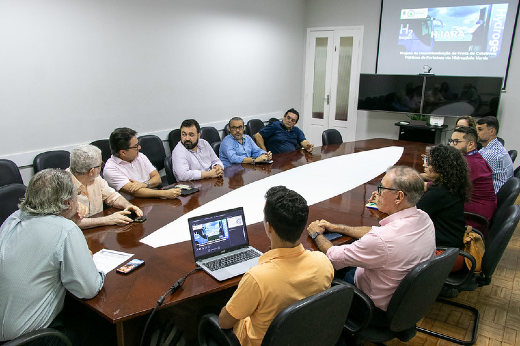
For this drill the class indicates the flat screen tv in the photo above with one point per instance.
(390, 93)
(457, 96)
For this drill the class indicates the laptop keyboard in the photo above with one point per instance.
(231, 259)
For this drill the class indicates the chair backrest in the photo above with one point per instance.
(253, 126)
(513, 153)
(104, 146)
(501, 140)
(216, 147)
(210, 134)
(45, 336)
(9, 173)
(225, 131)
(169, 170)
(517, 172)
(272, 120)
(418, 290)
(51, 159)
(331, 136)
(152, 146)
(9, 198)
(173, 138)
(315, 320)
(504, 226)
(507, 194)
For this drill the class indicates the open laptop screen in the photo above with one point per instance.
(219, 232)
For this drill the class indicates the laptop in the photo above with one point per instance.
(221, 245)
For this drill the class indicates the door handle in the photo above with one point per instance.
(327, 99)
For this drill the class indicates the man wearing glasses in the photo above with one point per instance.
(283, 136)
(239, 148)
(483, 200)
(383, 255)
(130, 171)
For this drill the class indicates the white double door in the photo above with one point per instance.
(333, 62)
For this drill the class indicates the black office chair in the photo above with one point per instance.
(499, 236)
(216, 147)
(10, 196)
(225, 131)
(168, 168)
(513, 153)
(174, 137)
(9, 173)
(272, 120)
(506, 196)
(253, 126)
(315, 320)
(517, 172)
(152, 146)
(46, 336)
(331, 136)
(104, 146)
(210, 134)
(51, 159)
(501, 140)
(410, 302)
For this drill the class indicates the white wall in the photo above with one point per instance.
(72, 71)
(324, 13)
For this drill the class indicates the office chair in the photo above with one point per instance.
(9, 173)
(46, 336)
(174, 137)
(499, 236)
(10, 196)
(501, 140)
(506, 196)
(168, 168)
(51, 159)
(152, 146)
(273, 120)
(513, 153)
(104, 146)
(315, 320)
(253, 126)
(517, 172)
(216, 147)
(331, 136)
(410, 302)
(210, 134)
(225, 131)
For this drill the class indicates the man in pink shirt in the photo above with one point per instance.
(129, 171)
(382, 256)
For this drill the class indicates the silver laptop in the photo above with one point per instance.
(220, 244)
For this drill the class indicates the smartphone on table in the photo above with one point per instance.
(130, 266)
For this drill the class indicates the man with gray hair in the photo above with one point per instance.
(44, 254)
(85, 169)
(239, 148)
(382, 256)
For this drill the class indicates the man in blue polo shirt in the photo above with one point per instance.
(283, 136)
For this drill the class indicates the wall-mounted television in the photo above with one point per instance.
(430, 94)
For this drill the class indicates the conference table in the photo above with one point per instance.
(127, 300)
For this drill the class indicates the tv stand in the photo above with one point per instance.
(420, 133)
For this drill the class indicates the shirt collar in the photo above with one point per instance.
(280, 252)
(399, 215)
(76, 182)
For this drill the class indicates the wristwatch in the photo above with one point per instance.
(314, 235)
(147, 183)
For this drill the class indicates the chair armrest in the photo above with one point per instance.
(39, 334)
(455, 280)
(209, 329)
(481, 220)
(356, 321)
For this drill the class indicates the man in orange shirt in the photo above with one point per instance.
(284, 275)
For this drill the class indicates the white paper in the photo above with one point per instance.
(316, 182)
(107, 260)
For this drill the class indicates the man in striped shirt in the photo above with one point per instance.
(493, 151)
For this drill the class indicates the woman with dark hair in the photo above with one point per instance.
(446, 194)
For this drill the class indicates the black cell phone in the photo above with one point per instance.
(130, 266)
(135, 218)
(332, 236)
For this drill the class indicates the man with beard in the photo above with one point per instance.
(130, 171)
(193, 158)
(483, 200)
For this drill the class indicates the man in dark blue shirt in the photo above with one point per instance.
(283, 136)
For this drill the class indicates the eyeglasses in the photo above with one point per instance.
(380, 188)
(136, 147)
(456, 141)
(235, 128)
(292, 120)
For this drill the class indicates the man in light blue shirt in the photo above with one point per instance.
(193, 158)
(493, 151)
(239, 148)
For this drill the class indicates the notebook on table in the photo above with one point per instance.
(221, 245)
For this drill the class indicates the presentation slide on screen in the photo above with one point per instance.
(464, 40)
